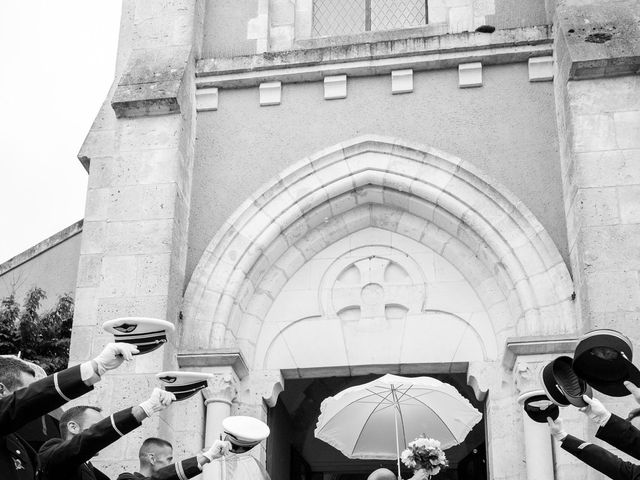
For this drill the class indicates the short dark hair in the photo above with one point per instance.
(148, 445)
(10, 369)
(73, 415)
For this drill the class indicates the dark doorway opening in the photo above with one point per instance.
(293, 452)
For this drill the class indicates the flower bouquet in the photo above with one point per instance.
(424, 454)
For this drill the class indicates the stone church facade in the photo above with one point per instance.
(308, 201)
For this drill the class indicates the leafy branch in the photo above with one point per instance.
(42, 338)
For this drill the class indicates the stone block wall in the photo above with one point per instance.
(599, 122)
(602, 199)
(139, 154)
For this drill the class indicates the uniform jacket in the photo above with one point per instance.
(38, 431)
(177, 471)
(618, 433)
(601, 459)
(67, 459)
(622, 435)
(17, 460)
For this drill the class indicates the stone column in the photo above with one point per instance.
(217, 400)
(139, 154)
(525, 357)
(537, 444)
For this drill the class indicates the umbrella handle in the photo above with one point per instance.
(223, 465)
(395, 419)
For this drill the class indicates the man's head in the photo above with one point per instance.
(14, 375)
(382, 474)
(78, 419)
(155, 453)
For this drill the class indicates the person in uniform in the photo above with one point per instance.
(23, 399)
(84, 433)
(614, 430)
(38, 431)
(156, 461)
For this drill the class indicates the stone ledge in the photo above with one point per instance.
(355, 370)
(223, 357)
(424, 53)
(429, 30)
(517, 346)
(43, 246)
(151, 83)
(598, 41)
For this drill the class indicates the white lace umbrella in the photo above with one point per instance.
(378, 419)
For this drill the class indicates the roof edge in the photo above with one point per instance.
(41, 247)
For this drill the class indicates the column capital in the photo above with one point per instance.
(526, 375)
(222, 388)
(525, 357)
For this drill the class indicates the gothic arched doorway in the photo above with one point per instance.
(379, 256)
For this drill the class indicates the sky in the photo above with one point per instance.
(58, 61)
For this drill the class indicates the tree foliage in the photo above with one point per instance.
(40, 337)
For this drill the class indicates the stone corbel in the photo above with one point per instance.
(481, 377)
(262, 386)
(272, 385)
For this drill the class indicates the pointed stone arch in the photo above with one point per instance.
(371, 181)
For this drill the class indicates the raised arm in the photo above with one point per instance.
(621, 434)
(43, 396)
(191, 466)
(601, 459)
(24, 405)
(58, 456)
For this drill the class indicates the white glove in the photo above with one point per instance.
(420, 474)
(158, 401)
(635, 391)
(219, 449)
(596, 411)
(556, 429)
(113, 355)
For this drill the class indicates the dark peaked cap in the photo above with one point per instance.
(603, 359)
(562, 385)
(147, 334)
(538, 407)
(184, 384)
